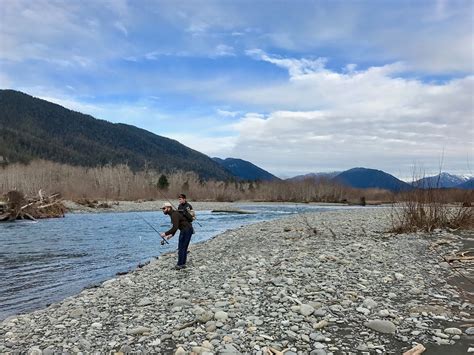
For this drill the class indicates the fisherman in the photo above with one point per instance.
(185, 208)
(185, 232)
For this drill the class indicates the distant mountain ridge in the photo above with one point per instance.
(314, 176)
(363, 178)
(31, 128)
(442, 180)
(467, 185)
(245, 170)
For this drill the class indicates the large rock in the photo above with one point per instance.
(139, 330)
(381, 326)
(145, 301)
(221, 315)
(205, 317)
(306, 309)
(453, 331)
(369, 303)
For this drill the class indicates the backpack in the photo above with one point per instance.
(187, 214)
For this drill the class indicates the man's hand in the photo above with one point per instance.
(165, 237)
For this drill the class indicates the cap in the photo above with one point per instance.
(166, 204)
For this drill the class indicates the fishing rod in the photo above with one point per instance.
(174, 207)
(164, 239)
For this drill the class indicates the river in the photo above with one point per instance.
(46, 261)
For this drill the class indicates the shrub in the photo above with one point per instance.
(426, 210)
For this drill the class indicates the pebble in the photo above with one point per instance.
(145, 302)
(221, 316)
(363, 310)
(139, 330)
(453, 331)
(320, 324)
(257, 287)
(306, 309)
(369, 303)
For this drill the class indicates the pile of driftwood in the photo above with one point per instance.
(16, 205)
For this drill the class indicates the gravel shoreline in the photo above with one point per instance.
(318, 283)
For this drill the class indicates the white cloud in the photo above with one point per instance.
(121, 27)
(223, 50)
(318, 118)
(296, 67)
(321, 118)
(226, 113)
(221, 146)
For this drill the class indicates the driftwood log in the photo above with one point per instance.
(416, 350)
(233, 211)
(17, 206)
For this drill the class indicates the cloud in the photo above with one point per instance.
(56, 31)
(296, 67)
(223, 50)
(436, 37)
(333, 83)
(225, 113)
(375, 117)
(212, 146)
(121, 27)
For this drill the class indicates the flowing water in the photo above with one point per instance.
(46, 261)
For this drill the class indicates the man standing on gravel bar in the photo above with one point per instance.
(185, 232)
(186, 209)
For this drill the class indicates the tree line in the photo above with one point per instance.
(122, 183)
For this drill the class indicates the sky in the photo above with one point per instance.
(294, 86)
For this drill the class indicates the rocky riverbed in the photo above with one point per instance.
(325, 283)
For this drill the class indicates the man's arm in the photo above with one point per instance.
(174, 228)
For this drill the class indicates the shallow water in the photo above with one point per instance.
(46, 261)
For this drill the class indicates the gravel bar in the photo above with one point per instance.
(316, 283)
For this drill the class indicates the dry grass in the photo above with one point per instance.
(426, 210)
(120, 183)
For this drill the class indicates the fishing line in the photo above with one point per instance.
(164, 239)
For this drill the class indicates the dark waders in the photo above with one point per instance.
(183, 243)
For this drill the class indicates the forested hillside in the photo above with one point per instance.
(245, 170)
(31, 128)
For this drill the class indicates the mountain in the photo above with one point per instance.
(467, 185)
(442, 180)
(363, 178)
(245, 170)
(31, 128)
(315, 176)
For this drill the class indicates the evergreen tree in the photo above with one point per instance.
(163, 182)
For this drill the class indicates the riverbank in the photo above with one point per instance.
(139, 206)
(155, 205)
(319, 283)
